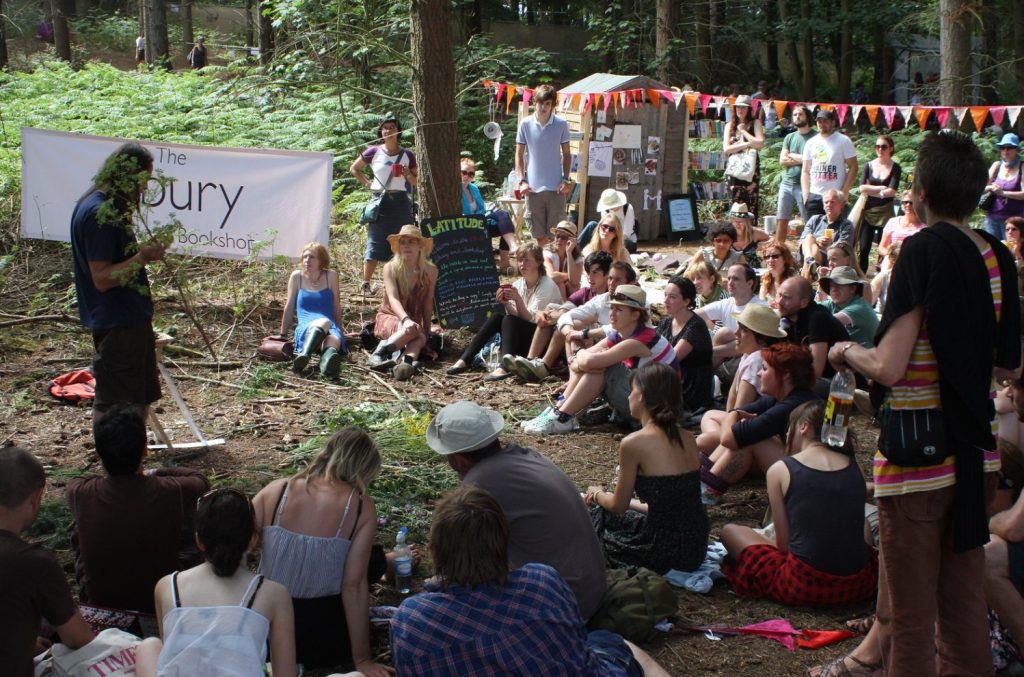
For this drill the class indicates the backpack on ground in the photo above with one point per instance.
(636, 600)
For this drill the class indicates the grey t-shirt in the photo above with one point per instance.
(548, 522)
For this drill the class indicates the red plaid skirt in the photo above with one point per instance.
(764, 571)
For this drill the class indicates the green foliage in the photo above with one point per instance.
(52, 527)
(261, 382)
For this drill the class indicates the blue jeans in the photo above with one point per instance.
(996, 227)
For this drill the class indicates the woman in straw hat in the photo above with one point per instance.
(604, 368)
(747, 236)
(315, 302)
(403, 319)
(743, 132)
(562, 258)
(613, 202)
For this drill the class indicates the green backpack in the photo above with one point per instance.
(635, 601)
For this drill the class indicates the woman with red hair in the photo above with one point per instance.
(755, 433)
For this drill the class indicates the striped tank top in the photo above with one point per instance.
(919, 389)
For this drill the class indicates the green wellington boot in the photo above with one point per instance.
(314, 339)
(330, 363)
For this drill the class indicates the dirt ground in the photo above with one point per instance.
(259, 432)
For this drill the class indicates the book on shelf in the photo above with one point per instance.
(707, 159)
(706, 129)
(710, 190)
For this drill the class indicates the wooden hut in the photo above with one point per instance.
(638, 148)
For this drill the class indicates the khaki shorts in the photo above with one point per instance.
(543, 211)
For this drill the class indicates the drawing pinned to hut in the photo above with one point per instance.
(633, 177)
(603, 133)
(651, 167)
(619, 156)
(653, 145)
(626, 136)
(602, 117)
(599, 160)
(621, 180)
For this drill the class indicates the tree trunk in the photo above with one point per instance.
(1018, 47)
(666, 23)
(187, 34)
(250, 23)
(772, 39)
(157, 45)
(61, 35)
(954, 52)
(4, 60)
(433, 95)
(266, 32)
(845, 52)
(702, 17)
(989, 52)
(472, 18)
(789, 44)
(807, 43)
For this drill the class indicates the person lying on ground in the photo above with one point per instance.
(479, 616)
(668, 527)
(318, 530)
(707, 281)
(517, 318)
(547, 521)
(818, 557)
(220, 603)
(562, 258)
(577, 328)
(32, 584)
(754, 435)
(314, 301)
(603, 369)
(132, 526)
(403, 319)
(690, 338)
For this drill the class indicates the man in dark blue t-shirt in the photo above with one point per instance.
(111, 281)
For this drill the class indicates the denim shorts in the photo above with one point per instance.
(614, 652)
(790, 197)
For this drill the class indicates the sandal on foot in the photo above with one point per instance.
(861, 625)
(838, 668)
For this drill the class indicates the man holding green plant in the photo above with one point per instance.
(111, 283)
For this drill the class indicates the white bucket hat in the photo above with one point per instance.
(610, 199)
(463, 426)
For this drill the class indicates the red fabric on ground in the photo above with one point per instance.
(74, 386)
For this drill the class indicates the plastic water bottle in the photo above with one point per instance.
(838, 409)
(403, 563)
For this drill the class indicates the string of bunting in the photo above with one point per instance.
(585, 101)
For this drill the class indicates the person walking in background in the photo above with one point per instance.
(543, 160)
(197, 57)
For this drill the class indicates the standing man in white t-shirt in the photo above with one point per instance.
(830, 163)
(543, 160)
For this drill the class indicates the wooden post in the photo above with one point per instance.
(685, 188)
(587, 127)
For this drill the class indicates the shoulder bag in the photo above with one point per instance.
(742, 165)
(276, 349)
(371, 210)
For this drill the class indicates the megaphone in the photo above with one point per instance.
(492, 130)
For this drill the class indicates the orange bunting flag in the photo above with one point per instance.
(691, 102)
(872, 112)
(979, 113)
(510, 93)
(922, 116)
(780, 108)
(654, 97)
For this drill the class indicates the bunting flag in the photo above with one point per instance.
(755, 105)
(960, 112)
(979, 113)
(498, 92)
(655, 97)
(872, 112)
(906, 112)
(890, 114)
(622, 98)
(998, 114)
(527, 95)
(841, 109)
(855, 112)
(922, 117)
(704, 99)
(691, 102)
(607, 99)
(780, 108)
(942, 115)
(591, 102)
(677, 97)
(1014, 113)
(510, 93)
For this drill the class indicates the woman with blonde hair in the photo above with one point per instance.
(403, 319)
(608, 237)
(314, 299)
(318, 529)
(780, 266)
(708, 282)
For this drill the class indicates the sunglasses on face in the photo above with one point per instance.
(466, 172)
(906, 202)
(881, 146)
(773, 256)
(608, 229)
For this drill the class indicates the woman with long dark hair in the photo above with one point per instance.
(668, 527)
(743, 132)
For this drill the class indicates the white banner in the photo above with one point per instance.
(230, 201)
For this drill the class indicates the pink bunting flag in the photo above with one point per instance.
(499, 91)
(942, 115)
(755, 105)
(1013, 112)
(998, 114)
(890, 114)
(527, 95)
(608, 100)
(841, 110)
(704, 100)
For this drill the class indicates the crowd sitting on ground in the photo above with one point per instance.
(519, 533)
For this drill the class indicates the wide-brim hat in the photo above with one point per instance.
(744, 100)
(739, 210)
(760, 319)
(1009, 140)
(629, 296)
(841, 275)
(463, 426)
(410, 230)
(610, 199)
(566, 227)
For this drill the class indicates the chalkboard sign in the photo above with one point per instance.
(466, 277)
(681, 212)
